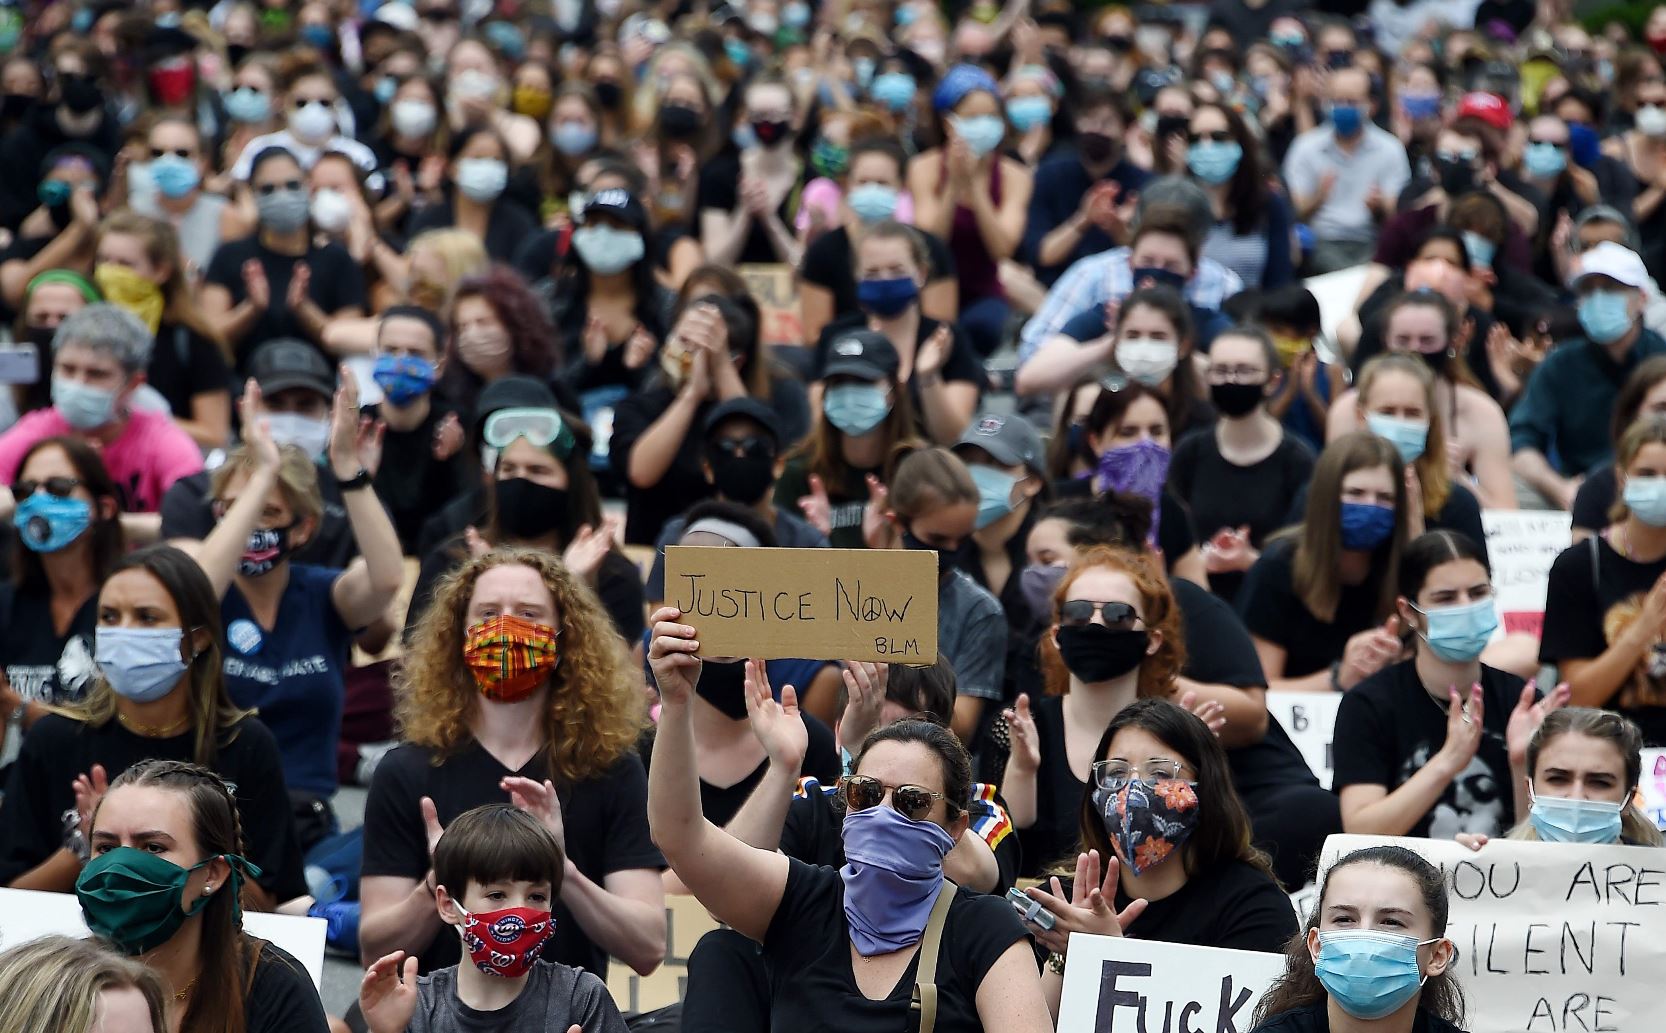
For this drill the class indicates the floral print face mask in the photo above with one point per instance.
(1148, 820)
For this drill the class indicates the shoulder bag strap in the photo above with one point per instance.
(1596, 567)
(925, 976)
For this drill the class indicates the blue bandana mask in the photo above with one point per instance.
(403, 378)
(47, 523)
(1457, 634)
(1364, 527)
(1558, 820)
(994, 492)
(1408, 437)
(1368, 974)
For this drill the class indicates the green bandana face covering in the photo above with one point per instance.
(132, 898)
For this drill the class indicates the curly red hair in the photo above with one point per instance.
(531, 335)
(1157, 671)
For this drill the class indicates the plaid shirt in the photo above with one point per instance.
(1109, 276)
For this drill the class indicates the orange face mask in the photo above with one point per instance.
(510, 657)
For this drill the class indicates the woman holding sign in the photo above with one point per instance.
(845, 947)
(1374, 957)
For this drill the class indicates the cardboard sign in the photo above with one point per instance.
(29, 914)
(1118, 985)
(776, 292)
(1310, 720)
(1551, 937)
(1652, 786)
(1522, 544)
(815, 604)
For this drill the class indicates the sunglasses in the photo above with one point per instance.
(59, 487)
(1216, 136)
(912, 802)
(435, 14)
(1118, 616)
(267, 189)
(178, 152)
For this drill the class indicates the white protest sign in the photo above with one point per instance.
(1338, 296)
(1522, 544)
(1551, 937)
(1652, 786)
(29, 914)
(1113, 984)
(1310, 720)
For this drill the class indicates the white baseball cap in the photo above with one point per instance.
(1616, 262)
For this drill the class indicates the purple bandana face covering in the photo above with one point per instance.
(1139, 469)
(893, 869)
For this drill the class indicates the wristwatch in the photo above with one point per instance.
(355, 482)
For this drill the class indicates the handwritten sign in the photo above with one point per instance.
(1522, 544)
(1117, 985)
(1652, 786)
(1310, 720)
(1551, 937)
(29, 914)
(776, 292)
(816, 604)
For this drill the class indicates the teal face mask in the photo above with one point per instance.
(855, 408)
(994, 493)
(132, 898)
(1559, 820)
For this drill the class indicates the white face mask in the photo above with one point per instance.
(309, 435)
(1148, 361)
(413, 117)
(1651, 120)
(312, 123)
(331, 211)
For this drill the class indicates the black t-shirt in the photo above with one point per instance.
(41, 665)
(184, 364)
(1176, 533)
(188, 512)
(337, 282)
(1595, 498)
(1058, 794)
(719, 190)
(1222, 494)
(813, 987)
(606, 821)
(568, 301)
(412, 484)
(507, 227)
(1389, 727)
(1461, 513)
(719, 803)
(58, 749)
(1588, 582)
(282, 997)
(1233, 905)
(1316, 1019)
(830, 263)
(962, 363)
(1272, 610)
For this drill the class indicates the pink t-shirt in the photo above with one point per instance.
(149, 456)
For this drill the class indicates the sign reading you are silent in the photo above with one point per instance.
(878, 605)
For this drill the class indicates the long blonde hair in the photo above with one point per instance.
(53, 983)
(1619, 732)
(1432, 470)
(596, 704)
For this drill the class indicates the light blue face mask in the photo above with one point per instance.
(608, 249)
(1544, 160)
(173, 175)
(994, 492)
(141, 664)
(1646, 498)
(1605, 316)
(1369, 974)
(1214, 161)
(1559, 820)
(855, 408)
(982, 133)
(1457, 634)
(1028, 112)
(46, 522)
(1480, 249)
(1408, 437)
(246, 105)
(895, 90)
(872, 202)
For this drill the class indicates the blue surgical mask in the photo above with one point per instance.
(1544, 160)
(1213, 161)
(1480, 249)
(403, 378)
(174, 176)
(1457, 634)
(1347, 119)
(797, 15)
(1419, 106)
(982, 133)
(887, 298)
(1364, 526)
(1605, 316)
(1026, 113)
(82, 407)
(608, 249)
(895, 90)
(1646, 498)
(141, 664)
(855, 408)
(1409, 437)
(872, 202)
(737, 51)
(574, 138)
(47, 523)
(386, 87)
(994, 492)
(1557, 820)
(1368, 974)
(743, 137)
(246, 105)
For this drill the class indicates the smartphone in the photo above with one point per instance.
(1031, 911)
(19, 364)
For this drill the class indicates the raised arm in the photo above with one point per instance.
(740, 885)
(780, 729)
(361, 593)
(219, 552)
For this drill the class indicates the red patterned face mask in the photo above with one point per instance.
(510, 657)
(506, 943)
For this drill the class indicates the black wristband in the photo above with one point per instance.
(355, 482)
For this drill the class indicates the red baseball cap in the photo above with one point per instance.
(1488, 107)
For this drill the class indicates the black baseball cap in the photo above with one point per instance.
(867, 354)
(751, 409)
(618, 203)
(288, 362)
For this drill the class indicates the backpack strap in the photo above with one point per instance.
(924, 1003)
(1596, 568)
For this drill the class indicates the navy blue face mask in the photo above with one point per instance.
(1159, 276)
(890, 297)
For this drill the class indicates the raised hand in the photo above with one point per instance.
(640, 347)
(475, 542)
(299, 281)
(255, 284)
(1025, 757)
(89, 788)
(671, 655)
(865, 685)
(388, 993)
(369, 446)
(877, 529)
(589, 547)
(817, 509)
(540, 800)
(934, 353)
(1528, 715)
(1229, 551)
(448, 437)
(257, 433)
(1089, 908)
(779, 727)
(1463, 729)
(1210, 712)
(344, 426)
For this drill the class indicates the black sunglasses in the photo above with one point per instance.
(178, 152)
(1118, 616)
(1218, 136)
(437, 14)
(267, 189)
(912, 802)
(60, 487)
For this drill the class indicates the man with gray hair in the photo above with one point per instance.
(99, 356)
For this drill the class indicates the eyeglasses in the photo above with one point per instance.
(1236, 375)
(912, 802)
(59, 487)
(1458, 157)
(178, 152)
(288, 185)
(542, 427)
(1217, 136)
(1119, 774)
(1118, 616)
